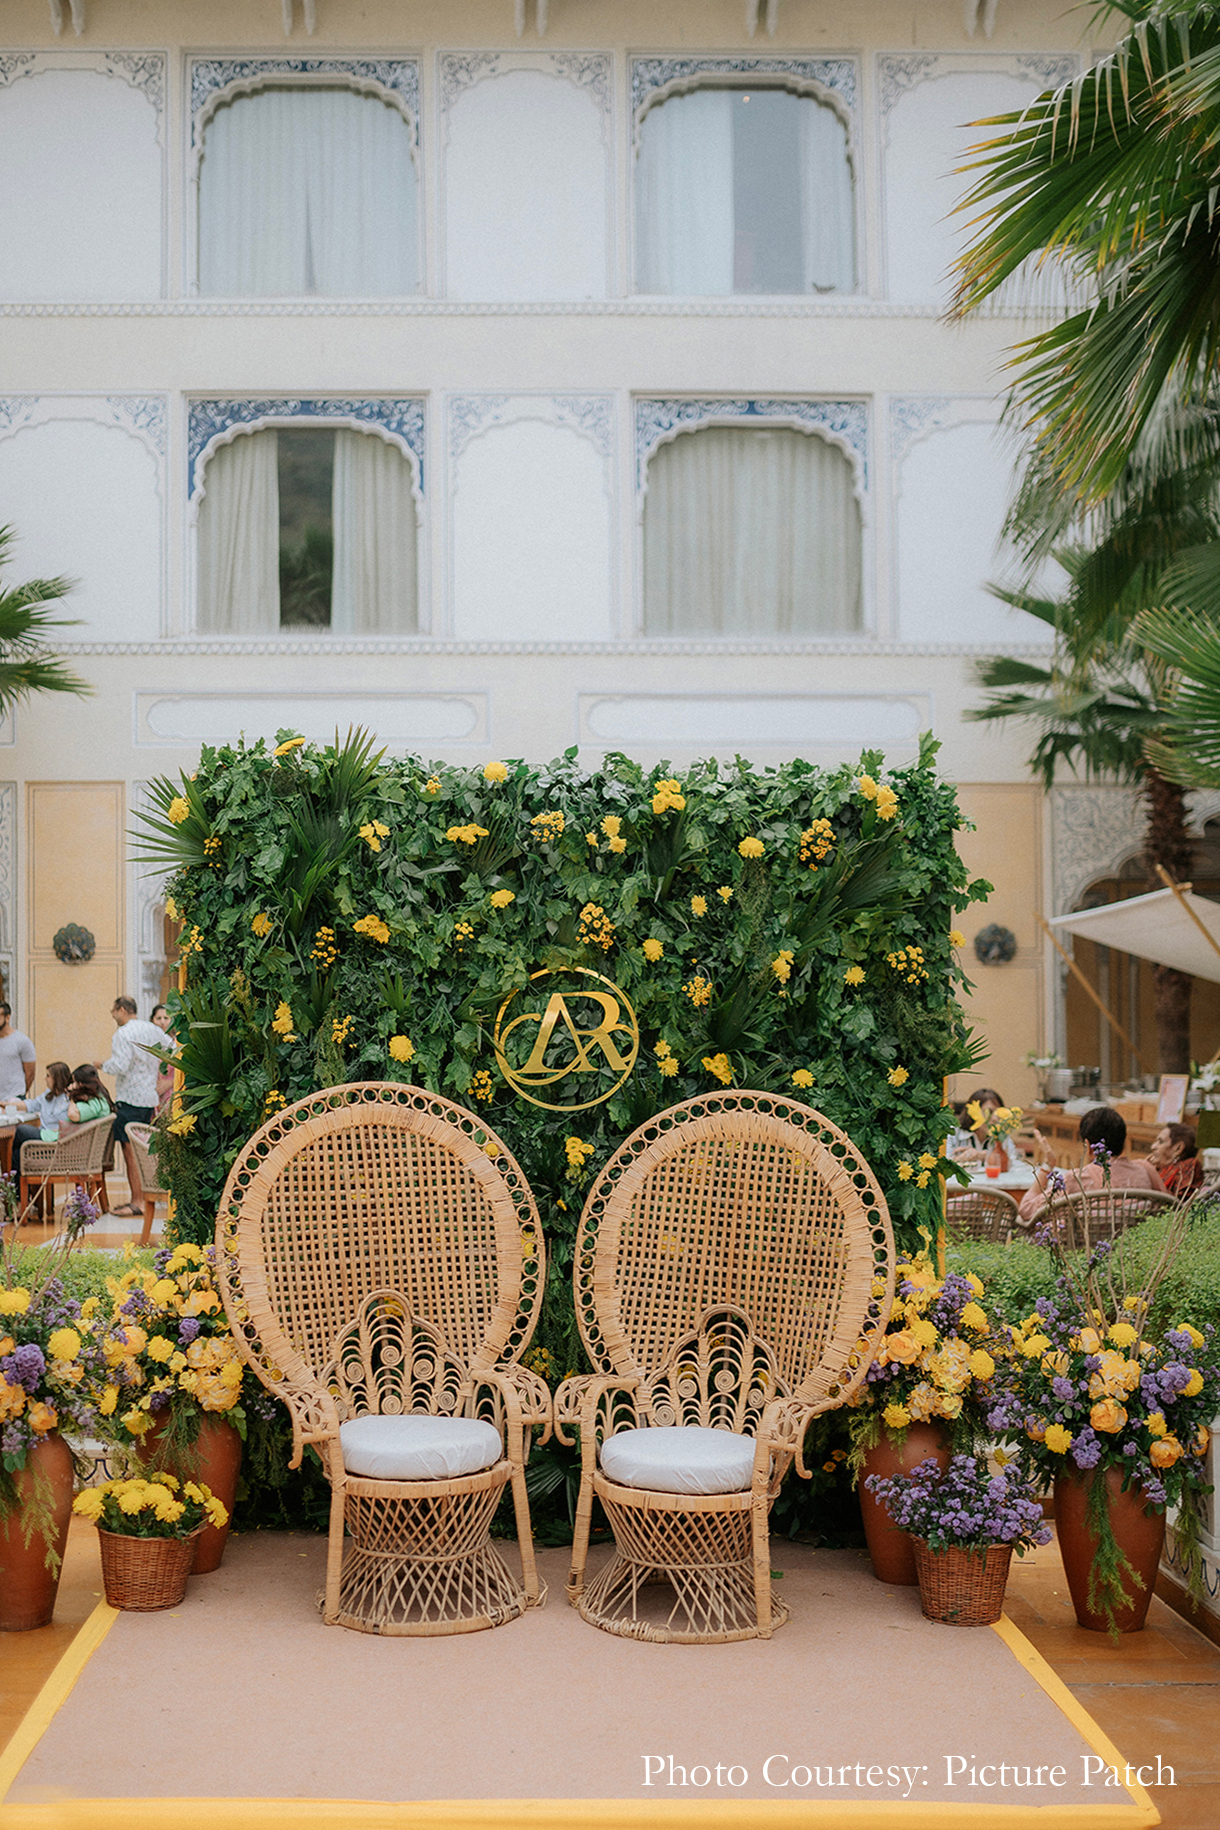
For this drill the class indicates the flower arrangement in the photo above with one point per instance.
(164, 1350)
(45, 1358)
(159, 1506)
(968, 1505)
(1000, 1123)
(936, 1361)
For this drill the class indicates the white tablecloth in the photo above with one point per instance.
(1018, 1178)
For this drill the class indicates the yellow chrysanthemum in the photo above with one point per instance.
(956, 938)
(494, 772)
(854, 975)
(653, 950)
(261, 925)
(281, 1022)
(373, 926)
(286, 748)
(179, 809)
(401, 1048)
(1057, 1439)
(720, 1066)
(896, 1416)
(698, 905)
(905, 1171)
(63, 1343)
(928, 1161)
(500, 899)
(725, 892)
(898, 1077)
(751, 848)
(802, 1078)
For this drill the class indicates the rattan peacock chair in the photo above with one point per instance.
(381, 1263)
(734, 1263)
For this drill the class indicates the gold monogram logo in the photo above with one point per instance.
(562, 1045)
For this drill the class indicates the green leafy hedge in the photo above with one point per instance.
(349, 917)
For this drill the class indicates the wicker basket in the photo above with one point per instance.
(143, 1574)
(960, 1587)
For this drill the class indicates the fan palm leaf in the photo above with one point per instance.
(27, 664)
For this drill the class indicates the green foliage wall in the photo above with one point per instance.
(349, 917)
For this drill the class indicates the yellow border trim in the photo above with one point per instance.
(548, 1813)
(54, 1693)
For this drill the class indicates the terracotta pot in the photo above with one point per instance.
(1140, 1535)
(213, 1459)
(27, 1586)
(892, 1550)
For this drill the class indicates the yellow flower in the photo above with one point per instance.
(179, 809)
(287, 747)
(1165, 1451)
(981, 1364)
(923, 1178)
(261, 925)
(1123, 1335)
(898, 1077)
(548, 826)
(924, 1331)
(41, 1418)
(668, 795)
(1194, 1385)
(854, 975)
(725, 892)
(617, 845)
(401, 1048)
(1109, 1416)
(751, 848)
(1156, 1423)
(160, 1350)
(612, 825)
(669, 1066)
(1195, 1337)
(1057, 1439)
(183, 1125)
(591, 839)
(272, 1101)
(482, 1085)
(374, 927)
(109, 1399)
(896, 1416)
(973, 1317)
(373, 834)
(576, 1150)
(974, 1112)
(137, 1422)
(64, 1343)
(887, 803)
(340, 1028)
(905, 1171)
(698, 905)
(172, 909)
(1087, 1341)
(653, 950)
(89, 1504)
(802, 1078)
(720, 1066)
(432, 785)
(781, 965)
(958, 939)
(494, 772)
(281, 1023)
(928, 1161)
(466, 835)
(699, 991)
(902, 1348)
(867, 787)
(662, 1049)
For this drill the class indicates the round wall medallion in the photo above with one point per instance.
(556, 1046)
(72, 944)
(995, 945)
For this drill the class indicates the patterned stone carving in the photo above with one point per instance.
(650, 74)
(144, 70)
(13, 67)
(845, 422)
(459, 69)
(898, 72)
(397, 78)
(592, 415)
(209, 420)
(1096, 830)
(912, 417)
(17, 410)
(591, 70)
(1049, 71)
(144, 414)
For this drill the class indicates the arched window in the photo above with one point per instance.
(744, 190)
(307, 190)
(308, 528)
(751, 532)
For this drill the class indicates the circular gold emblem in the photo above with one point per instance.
(562, 1042)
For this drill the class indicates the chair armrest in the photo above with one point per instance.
(566, 1405)
(598, 1407)
(781, 1432)
(514, 1401)
(313, 1411)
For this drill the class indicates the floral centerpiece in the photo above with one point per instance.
(1117, 1415)
(147, 1529)
(998, 1126)
(45, 1361)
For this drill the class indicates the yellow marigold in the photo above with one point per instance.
(290, 744)
(898, 1077)
(466, 835)
(854, 975)
(1108, 1416)
(896, 1416)
(781, 965)
(720, 1066)
(63, 1343)
(500, 899)
(653, 950)
(183, 1125)
(401, 1048)
(179, 809)
(494, 772)
(108, 1400)
(725, 892)
(956, 938)
(905, 1171)
(1057, 1439)
(281, 1022)
(1164, 1451)
(698, 905)
(373, 926)
(751, 848)
(802, 1078)
(261, 925)
(373, 834)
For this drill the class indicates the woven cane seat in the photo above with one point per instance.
(673, 1459)
(418, 1448)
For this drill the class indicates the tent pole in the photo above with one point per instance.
(1179, 890)
(1077, 974)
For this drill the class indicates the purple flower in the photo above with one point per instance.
(188, 1328)
(24, 1366)
(1063, 1389)
(1086, 1450)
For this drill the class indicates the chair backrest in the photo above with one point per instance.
(1104, 1213)
(80, 1149)
(743, 1199)
(375, 1187)
(146, 1162)
(391, 1363)
(980, 1213)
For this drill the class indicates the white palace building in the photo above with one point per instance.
(504, 377)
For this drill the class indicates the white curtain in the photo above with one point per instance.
(828, 208)
(307, 191)
(684, 195)
(239, 539)
(374, 589)
(751, 533)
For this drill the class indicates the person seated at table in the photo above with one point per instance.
(87, 1097)
(50, 1108)
(971, 1146)
(1102, 1126)
(1175, 1157)
(165, 1075)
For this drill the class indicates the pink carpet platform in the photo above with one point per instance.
(858, 1711)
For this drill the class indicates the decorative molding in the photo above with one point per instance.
(899, 72)
(181, 720)
(211, 78)
(209, 421)
(17, 410)
(13, 67)
(142, 415)
(1050, 69)
(460, 69)
(916, 416)
(838, 75)
(656, 648)
(144, 70)
(895, 75)
(841, 305)
(1095, 830)
(590, 70)
(592, 415)
(8, 886)
(844, 422)
(593, 71)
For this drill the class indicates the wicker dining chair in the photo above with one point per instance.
(77, 1158)
(382, 1265)
(981, 1213)
(1102, 1213)
(148, 1168)
(734, 1265)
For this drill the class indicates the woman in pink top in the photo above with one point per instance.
(1107, 1128)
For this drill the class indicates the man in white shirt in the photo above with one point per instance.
(135, 1087)
(16, 1058)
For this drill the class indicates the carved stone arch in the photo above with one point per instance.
(213, 423)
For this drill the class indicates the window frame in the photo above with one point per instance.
(217, 422)
(395, 81)
(712, 73)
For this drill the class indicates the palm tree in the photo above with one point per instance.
(1112, 177)
(27, 665)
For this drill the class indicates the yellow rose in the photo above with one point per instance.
(1036, 1431)
(1165, 1451)
(1108, 1416)
(401, 1048)
(500, 899)
(41, 1418)
(896, 1416)
(64, 1343)
(494, 772)
(1123, 1335)
(653, 950)
(1057, 1439)
(1202, 1440)
(751, 848)
(982, 1366)
(901, 1349)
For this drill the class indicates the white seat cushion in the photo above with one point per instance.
(680, 1459)
(418, 1448)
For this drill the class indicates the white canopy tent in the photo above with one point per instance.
(1171, 927)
